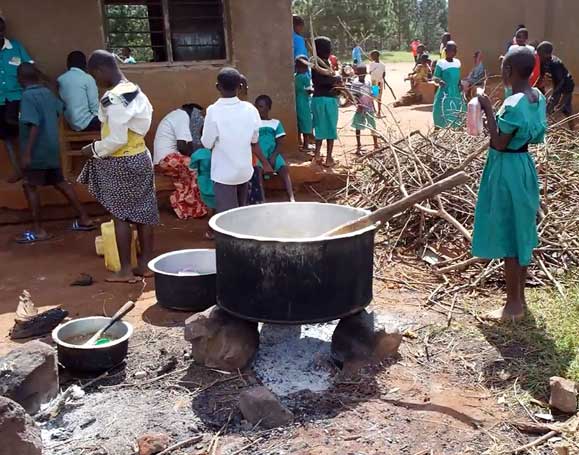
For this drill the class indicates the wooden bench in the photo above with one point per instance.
(71, 143)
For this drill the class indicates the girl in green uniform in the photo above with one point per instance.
(449, 103)
(271, 133)
(325, 100)
(303, 88)
(505, 223)
(201, 162)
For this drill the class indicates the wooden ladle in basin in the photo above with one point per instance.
(384, 214)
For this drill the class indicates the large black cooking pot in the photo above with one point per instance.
(72, 355)
(273, 267)
(185, 279)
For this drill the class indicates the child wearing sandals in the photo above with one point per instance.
(505, 225)
(39, 143)
(325, 100)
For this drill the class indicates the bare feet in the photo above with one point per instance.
(504, 315)
(329, 162)
(143, 272)
(122, 277)
(14, 178)
(317, 160)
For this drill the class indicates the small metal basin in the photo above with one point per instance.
(96, 358)
(185, 280)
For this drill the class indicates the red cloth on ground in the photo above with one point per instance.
(186, 199)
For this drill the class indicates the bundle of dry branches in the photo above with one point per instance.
(439, 230)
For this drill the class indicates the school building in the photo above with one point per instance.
(489, 24)
(179, 46)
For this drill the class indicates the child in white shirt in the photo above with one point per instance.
(377, 71)
(231, 132)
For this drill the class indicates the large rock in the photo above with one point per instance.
(150, 444)
(221, 341)
(259, 405)
(19, 435)
(29, 375)
(360, 340)
(563, 395)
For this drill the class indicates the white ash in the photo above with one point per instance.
(112, 420)
(295, 358)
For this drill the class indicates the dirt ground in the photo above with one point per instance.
(438, 397)
(32, 267)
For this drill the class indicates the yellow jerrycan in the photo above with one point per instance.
(106, 245)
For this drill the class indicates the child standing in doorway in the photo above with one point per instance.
(271, 134)
(364, 116)
(448, 102)
(231, 132)
(303, 88)
(40, 148)
(325, 100)
(505, 225)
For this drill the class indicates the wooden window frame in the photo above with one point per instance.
(169, 45)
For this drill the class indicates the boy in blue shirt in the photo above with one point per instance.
(40, 150)
(12, 54)
(300, 47)
(79, 92)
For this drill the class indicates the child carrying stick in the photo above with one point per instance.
(505, 225)
(364, 116)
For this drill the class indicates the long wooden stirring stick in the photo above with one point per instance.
(384, 214)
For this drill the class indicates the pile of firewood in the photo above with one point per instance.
(439, 230)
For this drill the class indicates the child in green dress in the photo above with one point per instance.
(325, 101)
(303, 88)
(449, 103)
(270, 135)
(201, 162)
(505, 225)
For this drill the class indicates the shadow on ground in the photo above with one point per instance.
(527, 353)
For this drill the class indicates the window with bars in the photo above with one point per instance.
(165, 30)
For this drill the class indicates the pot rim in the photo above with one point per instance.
(152, 265)
(60, 342)
(213, 225)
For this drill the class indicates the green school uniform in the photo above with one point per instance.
(39, 107)
(269, 132)
(201, 162)
(505, 224)
(12, 54)
(326, 113)
(449, 104)
(303, 84)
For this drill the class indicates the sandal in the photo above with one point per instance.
(122, 279)
(32, 237)
(76, 226)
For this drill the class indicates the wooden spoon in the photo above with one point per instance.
(384, 214)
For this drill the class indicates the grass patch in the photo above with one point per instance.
(545, 344)
(391, 57)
